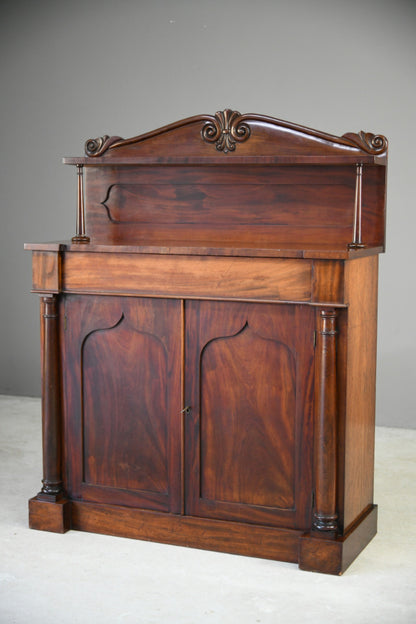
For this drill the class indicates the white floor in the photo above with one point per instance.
(80, 578)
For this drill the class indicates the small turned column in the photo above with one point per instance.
(52, 489)
(325, 445)
(357, 243)
(80, 236)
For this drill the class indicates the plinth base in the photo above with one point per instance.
(50, 516)
(327, 553)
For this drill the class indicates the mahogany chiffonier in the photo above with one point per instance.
(209, 341)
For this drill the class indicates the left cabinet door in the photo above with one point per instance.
(122, 387)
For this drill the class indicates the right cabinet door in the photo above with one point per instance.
(249, 429)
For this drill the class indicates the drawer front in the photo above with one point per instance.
(267, 279)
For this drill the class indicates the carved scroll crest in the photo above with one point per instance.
(96, 147)
(367, 141)
(226, 129)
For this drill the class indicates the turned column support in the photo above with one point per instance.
(80, 236)
(357, 242)
(325, 435)
(52, 489)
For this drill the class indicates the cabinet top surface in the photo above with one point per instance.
(212, 248)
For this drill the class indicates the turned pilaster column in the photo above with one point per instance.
(80, 236)
(52, 489)
(325, 446)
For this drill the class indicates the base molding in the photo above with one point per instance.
(327, 553)
(205, 533)
(334, 555)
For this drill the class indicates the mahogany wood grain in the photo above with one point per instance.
(325, 514)
(210, 205)
(123, 412)
(333, 556)
(278, 207)
(184, 276)
(206, 247)
(46, 272)
(361, 280)
(286, 205)
(328, 281)
(233, 137)
(229, 537)
(374, 202)
(313, 553)
(249, 385)
(208, 161)
(208, 351)
(52, 488)
(100, 179)
(54, 516)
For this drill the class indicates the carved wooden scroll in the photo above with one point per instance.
(367, 141)
(96, 147)
(227, 128)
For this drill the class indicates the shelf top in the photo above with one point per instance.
(212, 248)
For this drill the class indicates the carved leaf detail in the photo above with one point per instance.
(225, 130)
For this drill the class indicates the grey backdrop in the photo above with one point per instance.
(80, 69)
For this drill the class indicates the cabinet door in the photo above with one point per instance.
(249, 379)
(122, 386)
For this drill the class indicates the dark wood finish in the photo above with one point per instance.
(325, 434)
(230, 537)
(123, 412)
(333, 556)
(52, 489)
(277, 206)
(322, 251)
(248, 455)
(46, 272)
(327, 282)
(49, 510)
(157, 275)
(54, 516)
(208, 351)
(313, 552)
(360, 336)
(80, 236)
(261, 137)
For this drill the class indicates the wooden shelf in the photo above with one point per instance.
(213, 248)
